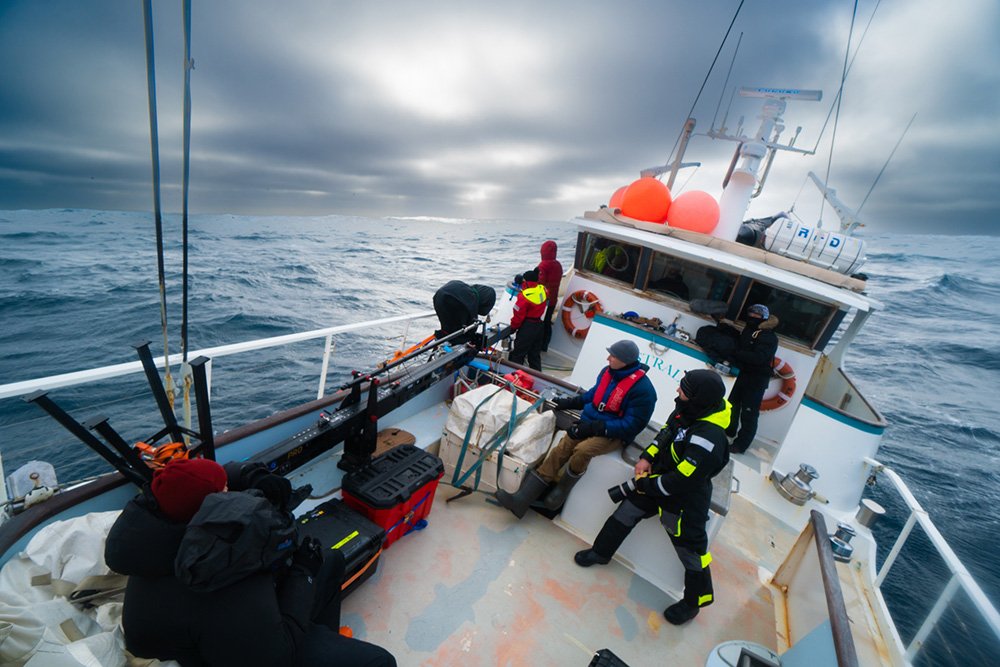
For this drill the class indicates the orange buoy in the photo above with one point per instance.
(783, 370)
(580, 301)
(695, 211)
(616, 198)
(646, 199)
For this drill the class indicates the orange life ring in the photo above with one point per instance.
(783, 370)
(584, 302)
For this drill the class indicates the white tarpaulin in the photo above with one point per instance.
(529, 441)
(39, 626)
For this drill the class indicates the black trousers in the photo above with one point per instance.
(323, 645)
(529, 344)
(547, 323)
(746, 395)
(685, 519)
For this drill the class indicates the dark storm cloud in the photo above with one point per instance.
(535, 110)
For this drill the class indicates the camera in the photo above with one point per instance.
(618, 493)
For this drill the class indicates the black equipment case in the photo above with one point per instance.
(337, 526)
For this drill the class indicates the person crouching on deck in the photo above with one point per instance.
(615, 410)
(529, 309)
(673, 478)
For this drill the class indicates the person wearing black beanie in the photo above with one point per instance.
(673, 479)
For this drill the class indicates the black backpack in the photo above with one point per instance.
(233, 536)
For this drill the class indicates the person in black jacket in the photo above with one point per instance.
(753, 356)
(457, 305)
(287, 616)
(673, 478)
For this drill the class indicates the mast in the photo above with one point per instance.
(743, 179)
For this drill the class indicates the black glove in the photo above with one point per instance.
(586, 429)
(645, 484)
(275, 488)
(308, 556)
(565, 403)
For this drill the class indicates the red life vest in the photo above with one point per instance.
(617, 397)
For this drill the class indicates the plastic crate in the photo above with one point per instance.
(395, 490)
(337, 526)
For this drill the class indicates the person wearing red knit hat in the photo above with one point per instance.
(222, 616)
(182, 485)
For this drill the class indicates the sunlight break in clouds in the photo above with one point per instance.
(456, 74)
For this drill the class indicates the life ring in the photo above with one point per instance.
(584, 302)
(783, 370)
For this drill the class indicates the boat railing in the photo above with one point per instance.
(960, 576)
(14, 389)
(87, 377)
(805, 620)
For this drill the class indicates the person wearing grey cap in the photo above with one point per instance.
(615, 410)
(753, 356)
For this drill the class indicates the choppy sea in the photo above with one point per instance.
(78, 288)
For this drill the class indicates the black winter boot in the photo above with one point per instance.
(556, 498)
(612, 534)
(518, 503)
(680, 613)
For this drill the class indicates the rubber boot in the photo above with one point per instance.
(612, 534)
(680, 613)
(518, 503)
(556, 498)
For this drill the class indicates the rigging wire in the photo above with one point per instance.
(708, 74)
(725, 84)
(836, 99)
(188, 66)
(882, 171)
(840, 97)
(154, 140)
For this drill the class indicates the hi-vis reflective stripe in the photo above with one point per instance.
(706, 560)
(673, 454)
(704, 443)
(345, 540)
(653, 450)
(704, 599)
(685, 467)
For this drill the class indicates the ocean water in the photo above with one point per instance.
(78, 288)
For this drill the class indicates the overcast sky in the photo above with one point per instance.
(536, 110)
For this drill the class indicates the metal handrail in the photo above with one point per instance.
(80, 377)
(960, 576)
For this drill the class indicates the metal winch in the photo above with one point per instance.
(796, 488)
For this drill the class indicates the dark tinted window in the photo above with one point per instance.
(799, 318)
(611, 258)
(686, 280)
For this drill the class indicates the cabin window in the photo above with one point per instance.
(799, 318)
(684, 280)
(611, 258)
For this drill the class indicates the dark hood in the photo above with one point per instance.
(705, 391)
(142, 541)
(549, 250)
(486, 296)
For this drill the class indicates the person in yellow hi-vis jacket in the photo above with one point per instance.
(673, 478)
(529, 309)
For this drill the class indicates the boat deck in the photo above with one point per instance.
(479, 587)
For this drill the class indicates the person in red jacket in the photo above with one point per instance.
(550, 273)
(527, 321)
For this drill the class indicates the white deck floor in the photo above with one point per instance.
(479, 587)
